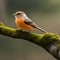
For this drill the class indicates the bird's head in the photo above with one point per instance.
(19, 14)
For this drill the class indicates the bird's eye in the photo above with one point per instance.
(18, 13)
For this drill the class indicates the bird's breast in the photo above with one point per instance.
(21, 24)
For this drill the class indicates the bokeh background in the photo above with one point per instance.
(46, 14)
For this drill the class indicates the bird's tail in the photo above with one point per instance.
(41, 29)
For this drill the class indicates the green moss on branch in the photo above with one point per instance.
(49, 41)
(1, 23)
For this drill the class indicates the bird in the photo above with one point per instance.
(24, 23)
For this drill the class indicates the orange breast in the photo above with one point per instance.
(20, 23)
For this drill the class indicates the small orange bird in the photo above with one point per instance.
(23, 22)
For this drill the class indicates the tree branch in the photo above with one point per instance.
(49, 41)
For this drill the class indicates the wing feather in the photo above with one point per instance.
(29, 22)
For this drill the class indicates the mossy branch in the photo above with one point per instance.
(49, 41)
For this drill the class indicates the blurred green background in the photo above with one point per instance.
(46, 14)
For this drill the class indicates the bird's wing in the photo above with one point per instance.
(29, 22)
